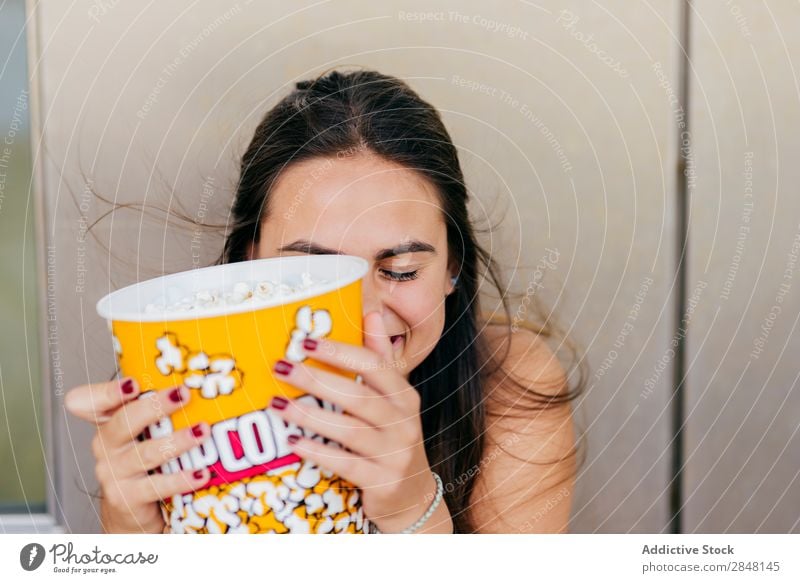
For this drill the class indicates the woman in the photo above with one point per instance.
(357, 163)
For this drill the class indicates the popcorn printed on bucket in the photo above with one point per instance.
(115, 343)
(308, 324)
(172, 355)
(117, 346)
(212, 375)
(297, 498)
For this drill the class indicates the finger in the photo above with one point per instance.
(355, 398)
(376, 338)
(131, 420)
(381, 375)
(355, 469)
(152, 453)
(96, 403)
(157, 487)
(364, 440)
(358, 359)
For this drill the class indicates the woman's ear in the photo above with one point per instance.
(453, 283)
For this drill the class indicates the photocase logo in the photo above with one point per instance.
(31, 556)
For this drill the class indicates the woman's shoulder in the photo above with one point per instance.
(524, 356)
(532, 449)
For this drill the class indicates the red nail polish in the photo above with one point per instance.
(279, 403)
(198, 474)
(310, 344)
(175, 395)
(197, 430)
(293, 439)
(282, 367)
(127, 387)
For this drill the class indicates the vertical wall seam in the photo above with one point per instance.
(682, 208)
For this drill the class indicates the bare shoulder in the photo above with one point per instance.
(525, 479)
(527, 358)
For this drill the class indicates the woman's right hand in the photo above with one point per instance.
(130, 497)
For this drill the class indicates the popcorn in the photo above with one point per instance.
(333, 502)
(212, 377)
(117, 346)
(206, 298)
(314, 503)
(220, 513)
(265, 289)
(296, 498)
(185, 518)
(172, 355)
(242, 292)
(308, 324)
(199, 361)
(309, 476)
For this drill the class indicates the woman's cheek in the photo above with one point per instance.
(427, 320)
(422, 306)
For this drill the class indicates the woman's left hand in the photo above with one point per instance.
(379, 424)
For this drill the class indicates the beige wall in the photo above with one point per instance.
(572, 153)
(743, 444)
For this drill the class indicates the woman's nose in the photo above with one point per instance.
(371, 298)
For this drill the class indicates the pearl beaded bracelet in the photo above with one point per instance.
(428, 513)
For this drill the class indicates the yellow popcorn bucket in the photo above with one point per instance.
(224, 354)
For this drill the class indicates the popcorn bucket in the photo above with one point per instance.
(218, 331)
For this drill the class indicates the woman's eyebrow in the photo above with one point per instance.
(305, 246)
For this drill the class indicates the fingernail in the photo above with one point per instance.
(127, 387)
(198, 474)
(293, 439)
(279, 402)
(197, 430)
(282, 367)
(310, 344)
(175, 395)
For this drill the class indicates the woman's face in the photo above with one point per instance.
(366, 206)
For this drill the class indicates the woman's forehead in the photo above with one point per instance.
(326, 178)
(365, 200)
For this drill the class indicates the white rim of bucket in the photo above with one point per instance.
(357, 265)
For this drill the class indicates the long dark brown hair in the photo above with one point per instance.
(348, 112)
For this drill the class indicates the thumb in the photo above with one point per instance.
(376, 337)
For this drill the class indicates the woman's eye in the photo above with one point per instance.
(399, 276)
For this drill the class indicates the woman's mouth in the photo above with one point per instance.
(397, 340)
